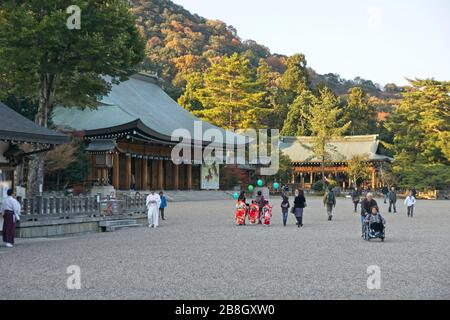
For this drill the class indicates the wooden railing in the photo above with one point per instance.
(81, 206)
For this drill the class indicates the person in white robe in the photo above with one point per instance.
(153, 203)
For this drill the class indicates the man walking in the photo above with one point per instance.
(329, 200)
(385, 192)
(392, 196)
(11, 214)
(355, 194)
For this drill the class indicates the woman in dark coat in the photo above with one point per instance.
(299, 205)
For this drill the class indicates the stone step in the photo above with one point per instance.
(118, 227)
(114, 223)
(186, 195)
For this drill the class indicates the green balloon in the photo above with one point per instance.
(260, 183)
(276, 185)
(235, 195)
(250, 188)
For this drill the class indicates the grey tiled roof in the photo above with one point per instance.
(15, 127)
(138, 102)
(299, 149)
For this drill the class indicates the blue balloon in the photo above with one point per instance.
(276, 185)
(260, 183)
(235, 195)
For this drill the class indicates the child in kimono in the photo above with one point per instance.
(253, 213)
(267, 213)
(239, 215)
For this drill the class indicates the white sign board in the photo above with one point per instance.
(210, 177)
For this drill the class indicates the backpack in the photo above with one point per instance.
(330, 197)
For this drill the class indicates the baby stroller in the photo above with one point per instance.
(370, 233)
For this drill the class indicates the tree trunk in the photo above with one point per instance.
(322, 169)
(36, 166)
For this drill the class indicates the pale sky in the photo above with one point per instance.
(379, 40)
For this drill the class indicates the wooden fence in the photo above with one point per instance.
(81, 206)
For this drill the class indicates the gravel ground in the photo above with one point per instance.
(198, 253)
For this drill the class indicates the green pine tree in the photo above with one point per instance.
(325, 125)
(297, 122)
(231, 97)
(360, 113)
(421, 130)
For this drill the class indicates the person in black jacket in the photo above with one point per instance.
(392, 196)
(260, 201)
(366, 207)
(385, 192)
(299, 205)
(355, 194)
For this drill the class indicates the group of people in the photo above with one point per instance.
(155, 203)
(390, 197)
(259, 211)
(370, 211)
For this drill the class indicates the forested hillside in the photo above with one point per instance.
(187, 51)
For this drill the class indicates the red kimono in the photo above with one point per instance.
(239, 215)
(267, 214)
(253, 213)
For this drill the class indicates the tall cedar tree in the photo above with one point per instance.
(421, 130)
(297, 122)
(293, 82)
(325, 125)
(360, 113)
(42, 58)
(231, 97)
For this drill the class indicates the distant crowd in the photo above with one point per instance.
(259, 210)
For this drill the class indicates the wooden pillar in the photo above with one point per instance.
(168, 172)
(138, 174)
(116, 175)
(93, 172)
(311, 178)
(154, 174)
(189, 176)
(373, 179)
(293, 178)
(127, 172)
(176, 177)
(105, 176)
(144, 174)
(160, 175)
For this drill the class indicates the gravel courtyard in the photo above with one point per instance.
(198, 253)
